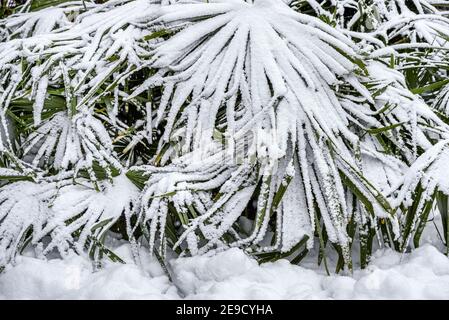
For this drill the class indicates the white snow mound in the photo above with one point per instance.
(422, 274)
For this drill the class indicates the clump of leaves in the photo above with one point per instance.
(273, 126)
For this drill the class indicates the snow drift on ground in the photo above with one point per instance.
(421, 274)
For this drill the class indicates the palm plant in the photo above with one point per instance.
(273, 126)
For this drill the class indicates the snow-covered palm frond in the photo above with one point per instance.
(405, 110)
(412, 35)
(266, 81)
(94, 48)
(206, 196)
(64, 143)
(416, 20)
(90, 212)
(423, 184)
(409, 131)
(441, 102)
(424, 23)
(429, 171)
(24, 25)
(416, 34)
(17, 218)
(74, 215)
(86, 60)
(219, 57)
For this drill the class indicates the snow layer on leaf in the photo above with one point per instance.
(295, 218)
(430, 169)
(61, 142)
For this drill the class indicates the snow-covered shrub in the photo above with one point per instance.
(269, 125)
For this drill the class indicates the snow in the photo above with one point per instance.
(231, 274)
(73, 278)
